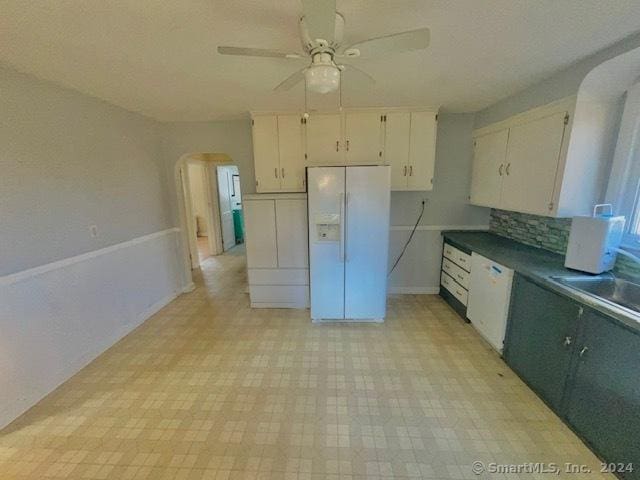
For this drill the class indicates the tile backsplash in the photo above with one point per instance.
(544, 232)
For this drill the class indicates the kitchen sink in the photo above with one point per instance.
(609, 288)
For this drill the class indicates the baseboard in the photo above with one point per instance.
(14, 411)
(189, 287)
(413, 290)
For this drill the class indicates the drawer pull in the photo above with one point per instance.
(460, 277)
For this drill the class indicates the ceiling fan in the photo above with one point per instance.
(321, 33)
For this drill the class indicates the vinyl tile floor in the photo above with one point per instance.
(210, 389)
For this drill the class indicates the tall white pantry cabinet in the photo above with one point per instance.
(285, 144)
(277, 249)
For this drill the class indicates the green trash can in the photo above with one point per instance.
(238, 226)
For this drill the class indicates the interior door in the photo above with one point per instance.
(489, 159)
(291, 151)
(324, 139)
(226, 207)
(363, 138)
(366, 241)
(265, 153)
(422, 150)
(292, 230)
(260, 222)
(533, 153)
(396, 148)
(326, 261)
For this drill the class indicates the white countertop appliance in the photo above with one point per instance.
(593, 241)
(489, 296)
(348, 241)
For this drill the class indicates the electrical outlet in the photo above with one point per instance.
(93, 231)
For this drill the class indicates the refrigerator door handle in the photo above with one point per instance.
(342, 236)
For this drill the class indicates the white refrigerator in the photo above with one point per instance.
(348, 241)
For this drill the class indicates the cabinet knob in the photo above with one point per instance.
(567, 341)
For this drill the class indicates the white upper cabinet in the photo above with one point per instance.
(265, 153)
(278, 153)
(422, 150)
(291, 147)
(285, 144)
(396, 147)
(551, 160)
(363, 138)
(410, 149)
(489, 158)
(533, 152)
(324, 139)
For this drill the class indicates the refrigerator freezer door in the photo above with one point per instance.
(489, 295)
(367, 202)
(326, 203)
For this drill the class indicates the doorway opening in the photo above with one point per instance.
(210, 201)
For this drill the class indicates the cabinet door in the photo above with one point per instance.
(489, 158)
(324, 139)
(422, 150)
(540, 338)
(292, 233)
(363, 138)
(533, 152)
(260, 224)
(396, 148)
(604, 398)
(265, 153)
(291, 153)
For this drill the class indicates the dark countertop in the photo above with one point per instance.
(537, 265)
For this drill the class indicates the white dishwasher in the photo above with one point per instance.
(489, 295)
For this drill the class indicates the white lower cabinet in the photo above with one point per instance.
(277, 250)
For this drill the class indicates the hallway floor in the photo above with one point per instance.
(210, 389)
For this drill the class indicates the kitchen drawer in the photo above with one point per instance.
(279, 296)
(457, 273)
(278, 276)
(457, 256)
(454, 288)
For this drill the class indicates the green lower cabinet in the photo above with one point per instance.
(540, 338)
(604, 392)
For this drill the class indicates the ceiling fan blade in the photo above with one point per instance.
(394, 43)
(290, 81)
(320, 18)
(257, 52)
(360, 73)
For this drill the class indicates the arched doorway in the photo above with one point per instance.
(218, 185)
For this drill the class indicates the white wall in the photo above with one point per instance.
(231, 137)
(447, 208)
(447, 205)
(198, 194)
(69, 161)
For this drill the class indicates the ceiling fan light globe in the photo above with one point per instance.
(322, 78)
